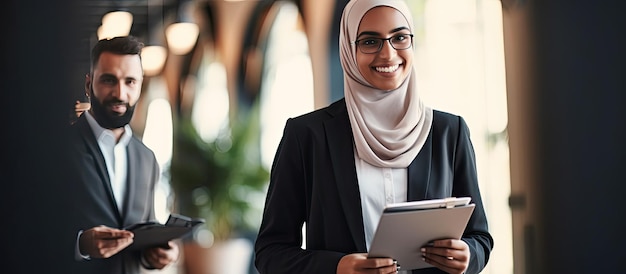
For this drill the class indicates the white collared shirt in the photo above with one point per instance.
(378, 187)
(115, 157)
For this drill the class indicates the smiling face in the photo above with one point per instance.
(388, 68)
(115, 84)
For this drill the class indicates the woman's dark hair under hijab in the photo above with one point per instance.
(118, 45)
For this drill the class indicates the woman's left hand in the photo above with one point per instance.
(449, 255)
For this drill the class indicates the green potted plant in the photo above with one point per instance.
(214, 180)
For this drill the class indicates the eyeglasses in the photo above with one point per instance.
(374, 45)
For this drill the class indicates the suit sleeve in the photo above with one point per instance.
(278, 245)
(476, 234)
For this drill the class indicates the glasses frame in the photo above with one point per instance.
(382, 41)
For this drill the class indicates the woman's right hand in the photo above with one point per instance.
(359, 263)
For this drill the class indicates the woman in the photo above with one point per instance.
(337, 167)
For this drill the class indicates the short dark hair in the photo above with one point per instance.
(118, 45)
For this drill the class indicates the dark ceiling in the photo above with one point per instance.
(146, 13)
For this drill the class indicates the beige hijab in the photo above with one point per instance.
(389, 127)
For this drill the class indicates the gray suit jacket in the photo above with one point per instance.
(94, 201)
(314, 181)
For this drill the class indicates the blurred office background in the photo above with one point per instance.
(538, 82)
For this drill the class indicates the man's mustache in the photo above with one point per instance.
(116, 103)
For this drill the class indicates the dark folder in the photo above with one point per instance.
(153, 234)
(406, 227)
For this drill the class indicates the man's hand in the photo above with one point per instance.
(159, 257)
(359, 263)
(451, 256)
(103, 241)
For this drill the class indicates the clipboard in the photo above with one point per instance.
(406, 227)
(154, 234)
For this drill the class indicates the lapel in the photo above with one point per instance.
(131, 178)
(419, 172)
(93, 148)
(339, 137)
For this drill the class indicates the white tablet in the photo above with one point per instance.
(428, 204)
(405, 228)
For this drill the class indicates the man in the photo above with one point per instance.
(116, 174)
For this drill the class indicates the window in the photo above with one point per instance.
(460, 66)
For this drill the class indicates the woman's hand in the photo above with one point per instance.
(359, 263)
(450, 255)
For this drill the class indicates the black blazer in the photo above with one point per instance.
(94, 203)
(314, 181)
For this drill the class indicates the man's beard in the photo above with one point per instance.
(109, 119)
